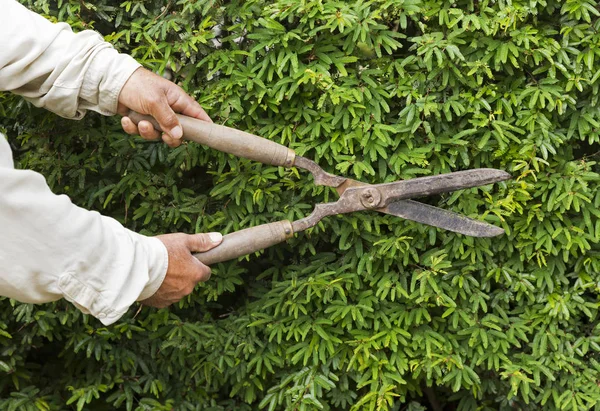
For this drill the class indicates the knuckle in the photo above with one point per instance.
(171, 119)
(198, 242)
(131, 130)
(204, 274)
(149, 132)
(202, 240)
(145, 135)
(148, 136)
(154, 100)
(145, 126)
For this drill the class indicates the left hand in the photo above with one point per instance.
(184, 270)
(148, 93)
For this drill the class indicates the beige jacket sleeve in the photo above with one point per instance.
(50, 248)
(53, 68)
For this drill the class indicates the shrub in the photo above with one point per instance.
(365, 311)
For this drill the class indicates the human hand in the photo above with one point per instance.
(148, 93)
(184, 270)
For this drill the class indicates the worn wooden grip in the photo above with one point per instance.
(247, 241)
(228, 140)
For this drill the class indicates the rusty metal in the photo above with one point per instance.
(347, 184)
(383, 197)
(321, 177)
(370, 198)
(442, 183)
(431, 185)
(438, 217)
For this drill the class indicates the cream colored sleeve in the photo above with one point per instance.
(49, 247)
(56, 69)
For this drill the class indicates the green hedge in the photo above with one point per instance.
(364, 311)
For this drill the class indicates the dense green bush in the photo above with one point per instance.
(365, 311)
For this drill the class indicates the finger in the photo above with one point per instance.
(203, 272)
(197, 112)
(147, 131)
(203, 242)
(198, 271)
(122, 109)
(129, 126)
(202, 115)
(186, 105)
(164, 114)
(170, 141)
(193, 109)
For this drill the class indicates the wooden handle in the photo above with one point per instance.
(247, 241)
(228, 140)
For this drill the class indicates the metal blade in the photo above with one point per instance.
(437, 217)
(384, 198)
(321, 177)
(426, 186)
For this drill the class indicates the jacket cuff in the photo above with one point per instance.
(91, 301)
(158, 261)
(104, 79)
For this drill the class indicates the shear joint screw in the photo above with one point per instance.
(370, 197)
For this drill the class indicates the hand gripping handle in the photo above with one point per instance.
(247, 241)
(228, 140)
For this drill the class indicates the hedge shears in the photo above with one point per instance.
(388, 198)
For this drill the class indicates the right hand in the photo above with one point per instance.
(184, 270)
(148, 93)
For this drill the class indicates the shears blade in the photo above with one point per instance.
(394, 199)
(438, 217)
(388, 193)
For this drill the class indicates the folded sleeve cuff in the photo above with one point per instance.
(104, 79)
(158, 261)
(108, 307)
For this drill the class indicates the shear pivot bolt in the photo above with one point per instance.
(370, 197)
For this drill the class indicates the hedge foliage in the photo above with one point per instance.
(365, 311)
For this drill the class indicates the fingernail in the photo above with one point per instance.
(215, 237)
(176, 132)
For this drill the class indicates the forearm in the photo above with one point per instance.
(57, 69)
(53, 249)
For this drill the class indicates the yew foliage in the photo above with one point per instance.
(363, 312)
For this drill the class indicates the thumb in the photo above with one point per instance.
(203, 242)
(168, 121)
